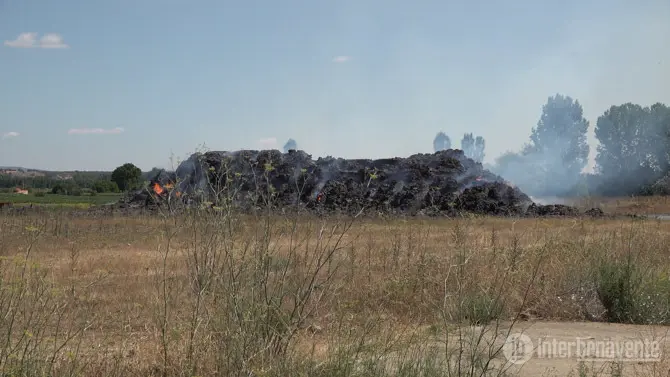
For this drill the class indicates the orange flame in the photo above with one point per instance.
(158, 189)
(164, 189)
(319, 197)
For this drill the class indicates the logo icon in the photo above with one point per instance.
(518, 348)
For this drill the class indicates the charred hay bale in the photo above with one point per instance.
(493, 199)
(444, 182)
(553, 210)
(190, 174)
(594, 212)
(164, 177)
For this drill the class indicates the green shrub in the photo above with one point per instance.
(617, 285)
(481, 308)
(631, 294)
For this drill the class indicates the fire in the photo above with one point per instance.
(162, 190)
(319, 196)
(158, 189)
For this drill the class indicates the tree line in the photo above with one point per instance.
(123, 178)
(473, 147)
(632, 158)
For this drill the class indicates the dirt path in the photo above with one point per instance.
(563, 340)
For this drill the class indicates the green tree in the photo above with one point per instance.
(558, 143)
(621, 131)
(290, 144)
(468, 145)
(633, 148)
(105, 186)
(59, 189)
(478, 149)
(66, 188)
(441, 142)
(658, 136)
(127, 176)
(473, 147)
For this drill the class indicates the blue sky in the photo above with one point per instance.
(141, 81)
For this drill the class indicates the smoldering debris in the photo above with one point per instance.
(444, 183)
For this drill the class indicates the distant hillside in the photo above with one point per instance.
(12, 170)
(21, 172)
(17, 168)
(18, 172)
(12, 177)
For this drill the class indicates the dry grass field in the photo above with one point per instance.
(624, 206)
(214, 293)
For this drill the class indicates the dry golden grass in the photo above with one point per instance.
(204, 295)
(627, 205)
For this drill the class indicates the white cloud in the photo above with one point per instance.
(52, 40)
(99, 131)
(7, 135)
(29, 40)
(341, 59)
(24, 40)
(268, 143)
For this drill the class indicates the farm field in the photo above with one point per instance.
(223, 294)
(60, 200)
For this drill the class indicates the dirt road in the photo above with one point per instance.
(555, 347)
